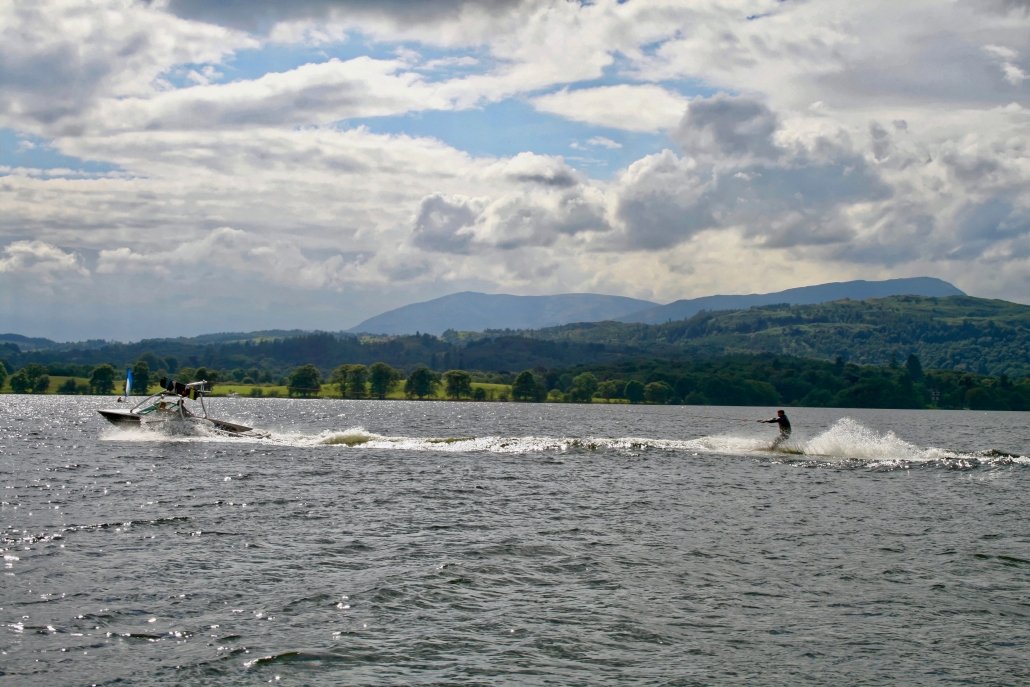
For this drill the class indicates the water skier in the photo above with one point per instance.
(784, 423)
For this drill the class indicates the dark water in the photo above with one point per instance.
(394, 543)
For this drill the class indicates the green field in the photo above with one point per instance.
(493, 392)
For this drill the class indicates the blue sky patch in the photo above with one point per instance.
(19, 150)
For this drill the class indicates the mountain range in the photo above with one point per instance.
(475, 312)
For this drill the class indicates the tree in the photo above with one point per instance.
(381, 378)
(457, 383)
(101, 379)
(34, 372)
(32, 378)
(141, 377)
(151, 359)
(339, 377)
(3, 373)
(357, 381)
(914, 367)
(658, 393)
(20, 382)
(583, 388)
(527, 388)
(305, 381)
(695, 398)
(351, 380)
(634, 391)
(609, 389)
(422, 382)
(40, 384)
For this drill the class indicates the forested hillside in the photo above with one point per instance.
(954, 333)
(858, 290)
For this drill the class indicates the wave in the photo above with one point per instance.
(174, 431)
(847, 443)
(854, 441)
(360, 438)
(846, 440)
(14, 539)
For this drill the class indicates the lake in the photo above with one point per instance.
(434, 543)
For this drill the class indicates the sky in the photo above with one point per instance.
(181, 167)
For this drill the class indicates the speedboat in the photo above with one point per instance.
(181, 405)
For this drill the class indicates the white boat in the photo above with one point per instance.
(180, 404)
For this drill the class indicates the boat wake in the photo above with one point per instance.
(847, 443)
(185, 431)
(359, 437)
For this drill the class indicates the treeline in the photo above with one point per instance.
(772, 380)
(264, 360)
(769, 379)
(962, 334)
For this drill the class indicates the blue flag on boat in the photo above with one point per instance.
(128, 381)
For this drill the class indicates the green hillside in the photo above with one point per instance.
(954, 333)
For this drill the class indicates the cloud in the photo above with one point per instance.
(511, 221)
(1002, 6)
(527, 168)
(517, 221)
(264, 15)
(597, 142)
(237, 252)
(662, 201)
(881, 54)
(445, 224)
(336, 150)
(530, 44)
(881, 141)
(547, 202)
(990, 226)
(310, 94)
(1007, 60)
(727, 127)
(40, 262)
(642, 107)
(740, 172)
(59, 59)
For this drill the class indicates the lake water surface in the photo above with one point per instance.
(430, 543)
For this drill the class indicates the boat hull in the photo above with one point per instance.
(121, 417)
(127, 418)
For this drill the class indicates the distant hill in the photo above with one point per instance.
(472, 311)
(25, 343)
(805, 295)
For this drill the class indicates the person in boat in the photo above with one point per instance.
(784, 424)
